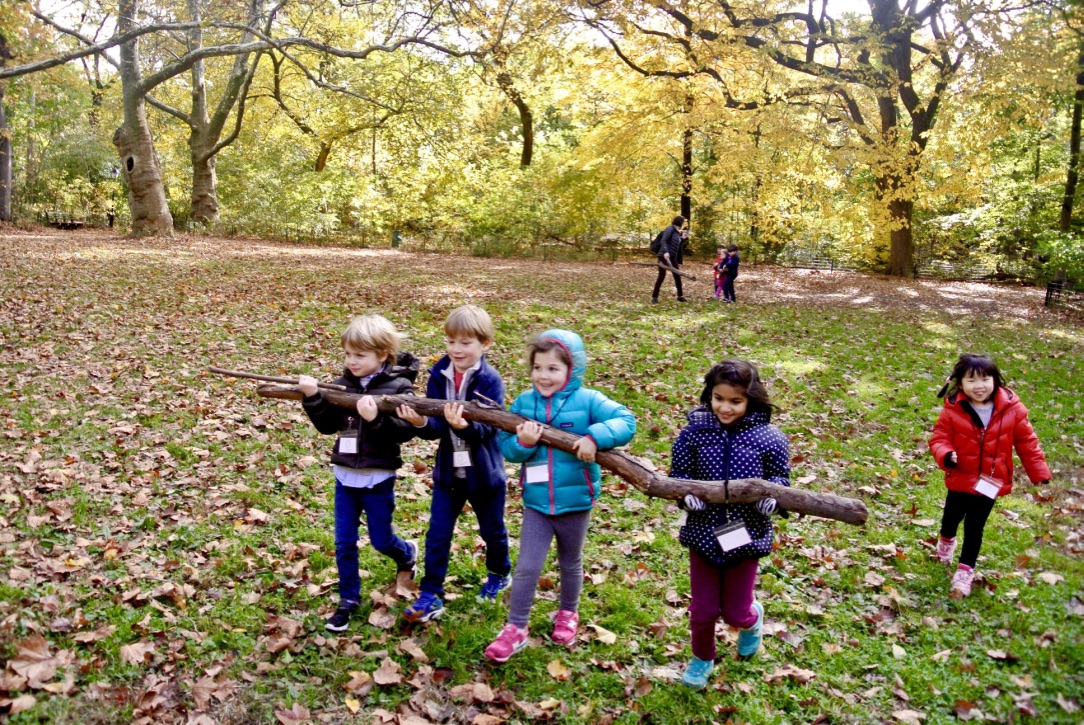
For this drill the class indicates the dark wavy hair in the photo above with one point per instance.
(742, 375)
(678, 221)
(971, 363)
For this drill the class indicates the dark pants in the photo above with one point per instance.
(726, 592)
(973, 509)
(444, 510)
(378, 504)
(728, 289)
(662, 276)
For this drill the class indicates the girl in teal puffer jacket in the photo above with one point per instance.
(559, 488)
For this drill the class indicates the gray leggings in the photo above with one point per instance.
(534, 546)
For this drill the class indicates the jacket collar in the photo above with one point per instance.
(703, 417)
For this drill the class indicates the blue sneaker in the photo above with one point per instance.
(749, 639)
(493, 587)
(697, 673)
(425, 607)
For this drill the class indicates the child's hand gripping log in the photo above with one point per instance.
(648, 482)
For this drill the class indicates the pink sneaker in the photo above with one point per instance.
(565, 626)
(945, 549)
(961, 582)
(511, 640)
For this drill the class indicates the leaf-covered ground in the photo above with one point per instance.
(166, 547)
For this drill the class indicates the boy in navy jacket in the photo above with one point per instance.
(469, 466)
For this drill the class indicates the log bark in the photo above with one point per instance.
(269, 378)
(667, 267)
(645, 480)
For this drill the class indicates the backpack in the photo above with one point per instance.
(656, 245)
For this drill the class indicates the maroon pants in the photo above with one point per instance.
(727, 592)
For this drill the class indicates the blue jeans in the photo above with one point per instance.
(378, 504)
(444, 510)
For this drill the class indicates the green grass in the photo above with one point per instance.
(154, 468)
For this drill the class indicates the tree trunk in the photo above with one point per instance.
(5, 163)
(901, 251)
(135, 145)
(1066, 220)
(526, 120)
(5, 145)
(647, 481)
(687, 175)
(204, 200)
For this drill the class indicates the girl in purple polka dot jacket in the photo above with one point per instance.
(729, 436)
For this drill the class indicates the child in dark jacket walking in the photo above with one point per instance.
(731, 271)
(365, 456)
(972, 442)
(469, 466)
(728, 436)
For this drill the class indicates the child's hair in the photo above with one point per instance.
(971, 363)
(743, 375)
(548, 344)
(472, 321)
(678, 221)
(372, 333)
(732, 248)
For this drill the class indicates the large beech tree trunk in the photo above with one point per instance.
(1066, 220)
(647, 481)
(134, 143)
(5, 144)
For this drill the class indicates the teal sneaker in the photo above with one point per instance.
(491, 590)
(697, 673)
(749, 639)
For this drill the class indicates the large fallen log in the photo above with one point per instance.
(667, 267)
(644, 479)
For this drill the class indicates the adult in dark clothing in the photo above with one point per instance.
(731, 265)
(671, 255)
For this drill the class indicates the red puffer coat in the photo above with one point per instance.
(988, 451)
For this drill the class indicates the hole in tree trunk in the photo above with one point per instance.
(130, 163)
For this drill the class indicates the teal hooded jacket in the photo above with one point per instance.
(571, 485)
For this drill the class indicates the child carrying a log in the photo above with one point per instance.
(366, 452)
(469, 466)
(972, 441)
(559, 488)
(728, 436)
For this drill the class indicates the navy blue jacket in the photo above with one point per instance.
(487, 464)
(706, 450)
(732, 263)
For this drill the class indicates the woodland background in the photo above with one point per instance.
(882, 135)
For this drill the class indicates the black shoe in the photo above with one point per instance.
(682, 299)
(654, 300)
(340, 620)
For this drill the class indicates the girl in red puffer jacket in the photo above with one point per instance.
(973, 440)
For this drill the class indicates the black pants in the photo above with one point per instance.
(728, 290)
(973, 509)
(662, 276)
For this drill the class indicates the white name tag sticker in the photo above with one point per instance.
(461, 459)
(348, 444)
(539, 473)
(731, 536)
(987, 487)
(683, 518)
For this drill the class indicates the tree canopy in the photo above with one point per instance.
(907, 133)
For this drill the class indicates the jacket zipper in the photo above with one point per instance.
(549, 461)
